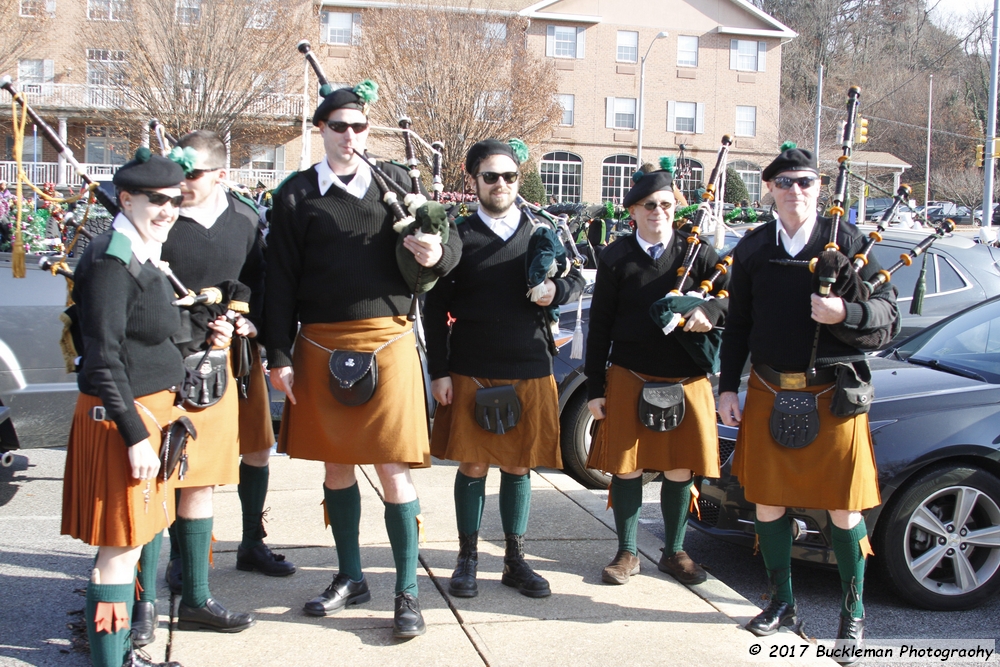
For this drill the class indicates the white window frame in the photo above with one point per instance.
(627, 52)
(36, 76)
(579, 42)
(699, 118)
(684, 44)
(746, 126)
(617, 110)
(264, 154)
(689, 177)
(108, 142)
(495, 31)
(568, 104)
(616, 176)
(188, 12)
(747, 55)
(35, 8)
(749, 173)
(107, 66)
(106, 10)
(341, 34)
(562, 176)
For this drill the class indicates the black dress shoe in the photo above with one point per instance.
(139, 658)
(338, 595)
(263, 560)
(407, 621)
(174, 575)
(776, 616)
(518, 574)
(463, 579)
(213, 616)
(143, 623)
(850, 640)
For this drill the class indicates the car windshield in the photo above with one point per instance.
(967, 345)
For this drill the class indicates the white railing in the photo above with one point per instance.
(48, 172)
(249, 177)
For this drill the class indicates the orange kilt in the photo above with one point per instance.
(533, 443)
(256, 428)
(623, 445)
(835, 472)
(390, 428)
(214, 457)
(103, 504)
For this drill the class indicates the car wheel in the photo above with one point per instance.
(939, 544)
(575, 425)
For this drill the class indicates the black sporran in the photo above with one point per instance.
(173, 450)
(353, 376)
(661, 405)
(206, 378)
(853, 393)
(794, 419)
(498, 409)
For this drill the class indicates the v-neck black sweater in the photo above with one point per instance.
(498, 332)
(622, 331)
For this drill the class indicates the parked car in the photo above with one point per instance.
(978, 213)
(934, 424)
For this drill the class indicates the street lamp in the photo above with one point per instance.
(642, 82)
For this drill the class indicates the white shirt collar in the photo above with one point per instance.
(794, 244)
(144, 251)
(505, 226)
(646, 245)
(207, 214)
(358, 186)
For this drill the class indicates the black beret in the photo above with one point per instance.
(654, 181)
(343, 98)
(147, 170)
(484, 149)
(791, 159)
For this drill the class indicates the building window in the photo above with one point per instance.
(746, 121)
(495, 31)
(35, 76)
(620, 113)
(105, 10)
(337, 28)
(105, 67)
(105, 146)
(267, 158)
(750, 173)
(564, 41)
(492, 106)
(689, 177)
(616, 177)
(562, 176)
(687, 51)
(628, 46)
(262, 16)
(686, 117)
(747, 55)
(567, 103)
(37, 7)
(188, 12)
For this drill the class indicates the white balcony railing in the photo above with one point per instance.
(48, 172)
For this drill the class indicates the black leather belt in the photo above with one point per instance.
(795, 380)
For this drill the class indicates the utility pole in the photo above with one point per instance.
(927, 165)
(819, 109)
(991, 126)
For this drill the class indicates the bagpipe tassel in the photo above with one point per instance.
(576, 348)
(17, 260)
(537, 292)
(672, 323)
(917, 304)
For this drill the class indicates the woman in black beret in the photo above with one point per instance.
(113, 495)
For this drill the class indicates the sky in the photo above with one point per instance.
(945, 9)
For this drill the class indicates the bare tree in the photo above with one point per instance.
(462, 75)
(965, 186)
(21, 24)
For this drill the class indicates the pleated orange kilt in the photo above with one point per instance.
(533, 443)
(214, 457)
(835, 472)
(390, 428)
(103, 505)
(622, 444)
(256, 428)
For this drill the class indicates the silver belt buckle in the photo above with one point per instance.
(98, 413)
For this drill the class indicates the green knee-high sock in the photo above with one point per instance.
(515, 502)
(343, 509)
(148, 562)
(253, 491)
(404, 537)
(675, 499)
(196, 542)
(175, 539)
(626, 502)
(775, 538)
(851, 565)
(108, 647)
(470, 498)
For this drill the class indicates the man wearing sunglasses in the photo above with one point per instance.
(332, 268)
(499, 339)
(774, 317)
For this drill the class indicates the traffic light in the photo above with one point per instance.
(980, 155)
(861, 133)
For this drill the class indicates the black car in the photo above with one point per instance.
(935, 425)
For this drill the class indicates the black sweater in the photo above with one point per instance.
(332, 258)
(126, 321)
(629, 281)
(498, 333)
(770, 307)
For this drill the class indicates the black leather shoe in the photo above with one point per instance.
(518, 574)
(338, 595)
(174, 576)
(850, 642)
(463, 579)
(139, 658)
(143, 623)
(213, 616)
(407, 620)
(263, 560)
(774, 617)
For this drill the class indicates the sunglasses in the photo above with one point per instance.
(786, 182)
(665, 205)
(160, 199)
(491, 177)
(195, 174)
(340, 127)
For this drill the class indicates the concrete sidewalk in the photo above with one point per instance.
(651, 621)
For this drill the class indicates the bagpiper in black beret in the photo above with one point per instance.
(791, 158)
(147, 170)
(645, 184)
(359, 97)
(515, 149)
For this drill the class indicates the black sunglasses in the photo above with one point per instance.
(195, 174)
(160, 199)
(786, 182)
(666, 205)
(340, 127)
(491, 177)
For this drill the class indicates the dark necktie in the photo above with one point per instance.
(656, 250)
